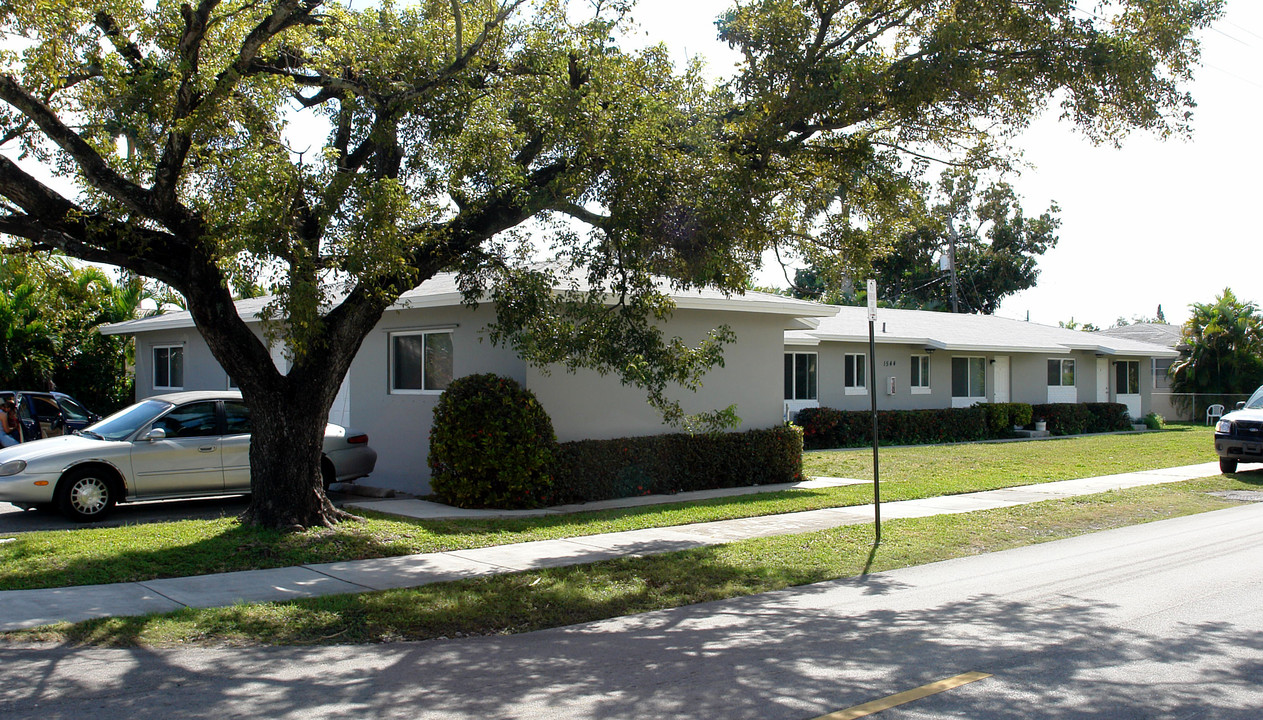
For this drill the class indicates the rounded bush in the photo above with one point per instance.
(491, 446)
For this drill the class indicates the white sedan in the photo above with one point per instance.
(180, 445)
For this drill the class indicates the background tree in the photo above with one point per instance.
(49, 312)
(1225, 351)
(471, 134)
(996, 251)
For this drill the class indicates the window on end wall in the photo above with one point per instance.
(800, 376)
(853, 374)
(919, 379)
(420, 362)
(969, 377)
(1061, 372)
(168, 367)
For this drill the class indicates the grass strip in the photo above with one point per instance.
(527, 601)
(94, 556)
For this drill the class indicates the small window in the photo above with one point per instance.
(236, 418)
(919, 378)
(853, 374)
(1061, 373)
(73, 410)
(193, 420)
(800, 376)
(168, 367)
(421, 362)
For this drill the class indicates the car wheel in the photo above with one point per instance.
(1228, 465)
(85, 495)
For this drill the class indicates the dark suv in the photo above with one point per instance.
(48, 414)
(1239, 434)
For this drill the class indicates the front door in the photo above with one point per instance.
(1127, 386)
(185, 462)
(1102, 380)
(1001, 378)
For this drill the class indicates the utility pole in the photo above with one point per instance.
(951, 262)
(872, 394)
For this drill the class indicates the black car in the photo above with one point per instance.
(1239, 434)
(48, 414)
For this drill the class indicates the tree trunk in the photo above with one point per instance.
(287, 433)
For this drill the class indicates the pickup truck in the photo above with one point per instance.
(48, 414)
(1239, 434)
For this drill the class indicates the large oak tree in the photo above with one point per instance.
(351, 154)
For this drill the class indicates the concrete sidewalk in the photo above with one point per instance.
(30, 608)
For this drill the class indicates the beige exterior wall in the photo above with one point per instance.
(398, 425)
(1028, 376)
(585, 405)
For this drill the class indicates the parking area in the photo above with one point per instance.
(15, 520)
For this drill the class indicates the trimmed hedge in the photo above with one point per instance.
(830, 428)
(825, 428)
(1078, 418)
(590, 470)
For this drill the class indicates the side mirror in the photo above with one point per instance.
(1241, 405)
(155, 434)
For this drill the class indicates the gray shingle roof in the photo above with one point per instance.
(977, 333)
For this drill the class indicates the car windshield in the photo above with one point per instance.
(128, 420)
(1256, 400)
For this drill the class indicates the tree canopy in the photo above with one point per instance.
(982, 229)
(348, 155)
(1225, 348)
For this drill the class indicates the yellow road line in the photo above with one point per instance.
(907, 696)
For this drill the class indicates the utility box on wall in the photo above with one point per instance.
(890, 386)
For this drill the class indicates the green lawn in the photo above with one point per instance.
(105, 555)
(521, 602)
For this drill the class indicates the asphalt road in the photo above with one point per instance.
(1155, 621)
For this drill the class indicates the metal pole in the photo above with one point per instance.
(872, 395)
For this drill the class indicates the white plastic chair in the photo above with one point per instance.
(1213, 413)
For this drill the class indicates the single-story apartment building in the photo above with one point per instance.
(1166, 335)
(941, 360)
(428, 337)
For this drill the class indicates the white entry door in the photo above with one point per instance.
(1102, 380)
(1001, 378)
(1127, 386)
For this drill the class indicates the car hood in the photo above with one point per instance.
(1251, 414)
(64, 448)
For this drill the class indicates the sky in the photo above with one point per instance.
(1153, 223)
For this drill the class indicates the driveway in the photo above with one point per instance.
(16, 520)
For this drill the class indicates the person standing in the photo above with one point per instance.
(10, 429)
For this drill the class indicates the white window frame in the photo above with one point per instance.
(390, 360)
(793, 377)
(153, 357)
(971, 398)
(922, 364)
(1061, 372)
(859, 373)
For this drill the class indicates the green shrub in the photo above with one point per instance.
(491, 445)
(1003, 417)
(590, 470)
(1107, 417)
(830, 428)
(1154, 421)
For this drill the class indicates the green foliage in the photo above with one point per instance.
(49, 312)
(1003, 417)
(830, 428)
(996, 250)
(1225, 350)
(1079, 418)
(589, 470)
(1154, 421)
(491, 445)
